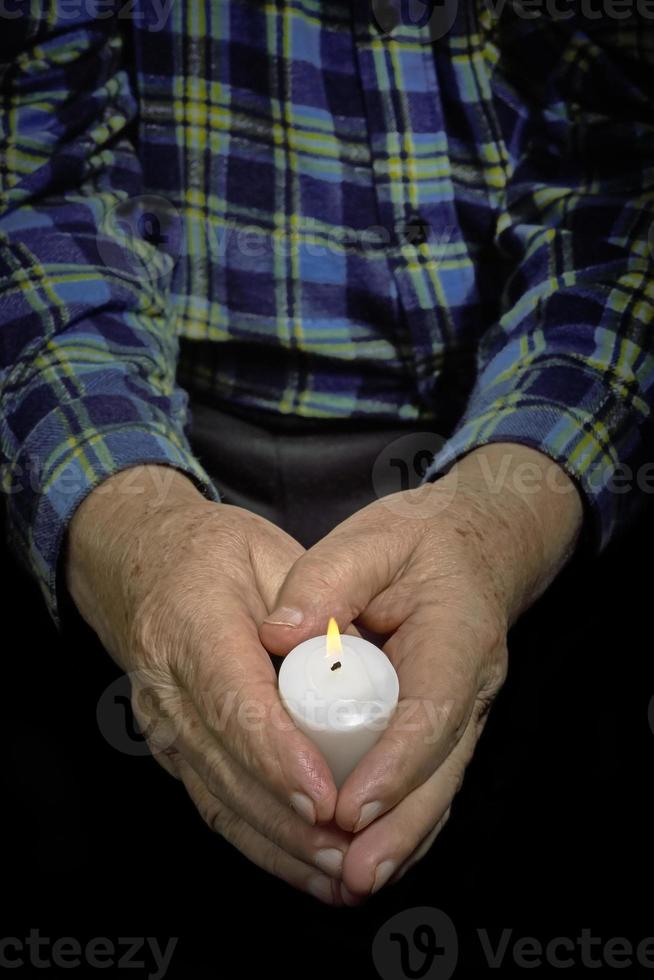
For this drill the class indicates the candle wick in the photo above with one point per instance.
(336, 665)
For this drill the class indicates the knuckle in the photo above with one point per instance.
(496, 672)
(241, 745)
(283, 830)
(275, 862)
(457, 781)
(220, 820)
(272, 824)
(213, 778)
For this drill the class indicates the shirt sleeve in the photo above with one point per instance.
(88, 348)
(568, 368)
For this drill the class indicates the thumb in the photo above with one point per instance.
(337, 577)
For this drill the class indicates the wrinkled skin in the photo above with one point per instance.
(190, 597)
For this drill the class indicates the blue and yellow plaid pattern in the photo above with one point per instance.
(340, 222)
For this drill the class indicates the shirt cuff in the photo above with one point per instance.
(576, 419)
(52, 475)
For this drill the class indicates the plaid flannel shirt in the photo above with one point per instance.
(289, 206)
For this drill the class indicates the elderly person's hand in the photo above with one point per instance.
(176, 590)
(439, 573)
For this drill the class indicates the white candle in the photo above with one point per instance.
(340, 691)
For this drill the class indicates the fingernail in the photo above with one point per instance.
(382, 873)
(321, 887)
(285, 617)
(304, 807)
(367, 814)
(330, 859)
(349, 898)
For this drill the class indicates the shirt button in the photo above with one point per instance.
(416, 230)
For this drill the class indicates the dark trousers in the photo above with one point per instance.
(306, 475)
(550, 834)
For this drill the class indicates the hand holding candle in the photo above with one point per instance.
(341, 692)
(439, 577)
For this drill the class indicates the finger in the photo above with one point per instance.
(233, 686)
(323, 846)
(422, 850)
(272, 553)
(352, 898)
(438, 688)
(403, 833)
(338, 577)
(253, 845)
(156, 729)
(167, 762)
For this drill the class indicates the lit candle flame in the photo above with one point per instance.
(333, 645)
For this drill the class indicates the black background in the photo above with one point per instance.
(550, 834)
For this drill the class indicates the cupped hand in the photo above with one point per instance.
(176, 589)
(439, 574)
